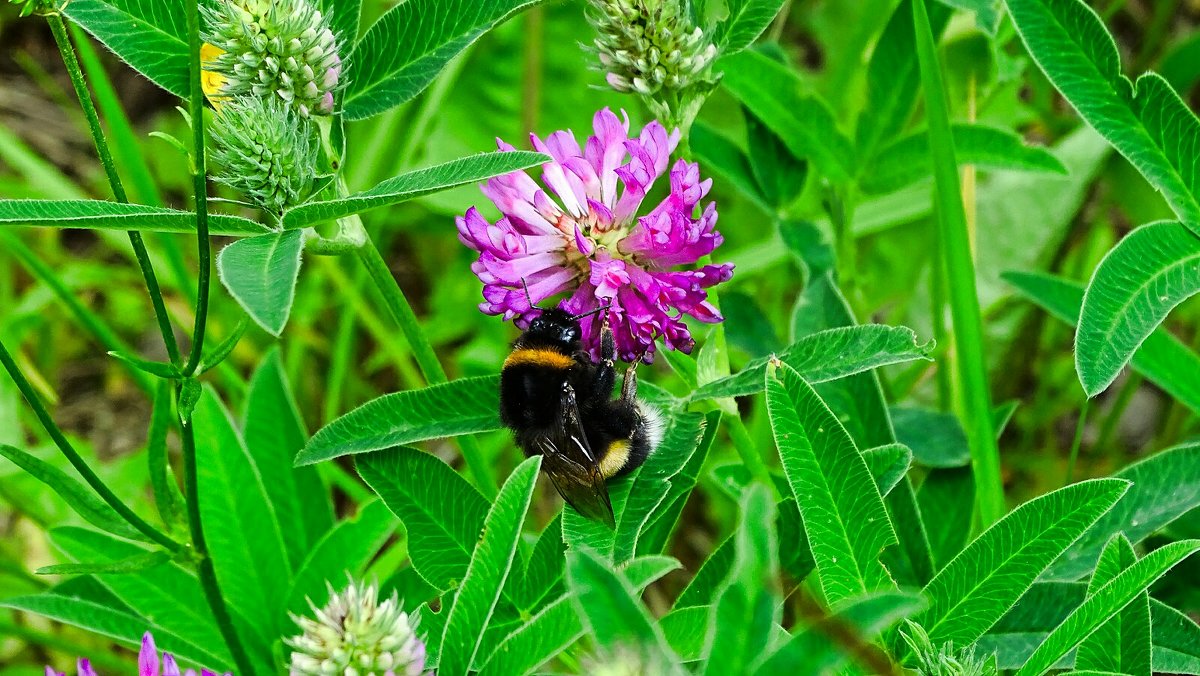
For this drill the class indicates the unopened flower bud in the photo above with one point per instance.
(264, 151)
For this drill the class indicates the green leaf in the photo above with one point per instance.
(978, 586)
(490, 564)
(544, 569)
(746, 21)
(150, 35)
(653, 538)
(274, 432)
(407, 47)
(827, 355)
(260, 273)
(893, 78)
(910, 561)
(1176, 638)
(843, 513)
(154, 368)
(1165, 487)
(462, 406)
(413, 184)
(947, 496)
(703, 586)
(168, 595)
(78, 497)
(652, 481)
(1146, 123)
(610, 607)
(907, 160)
(101, 215)
(117, 625)
(718, 154)
(937, 439)
(346, 549)
(125, 566)
(987, 13)
(1106, 602)
(801, 120)
(685, 630)
(809, 651)
(1149, 272)
(216, 355)
(887, 465)
(1121, 644)
(167, 496)
(1162, 358)
(442, 513)
(747, 608)
(343, 19)
(551, 630)
(243, 535)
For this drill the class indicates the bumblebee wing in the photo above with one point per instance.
(572, 467)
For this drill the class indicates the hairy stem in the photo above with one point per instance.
(59, 29)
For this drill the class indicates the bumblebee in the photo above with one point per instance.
(559, 404)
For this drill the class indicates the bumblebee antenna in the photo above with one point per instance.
(602, 308)
(528, 298)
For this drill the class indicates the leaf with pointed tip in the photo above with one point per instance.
(131, 564)
(1122, 644)
(101, 215)
(1146, 122)
(827, 355)
(414, 184)
(843, 512)
(260, 273)
(150, 35)
(978, 586)
(1148, 273)
(491, 561)
(1106, 602)
(887, 465)
(462, 406)
(746, 21)
(1165, 486)
(1162, 358)
(407, 47)
(442, 513)
(77, 496)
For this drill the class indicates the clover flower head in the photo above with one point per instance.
(652, 48)
(274, 48)
(582, 234)
(626, 660)
(265, 151)
(355, 634)
(149, 663)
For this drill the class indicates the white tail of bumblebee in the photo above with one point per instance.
(656, 425)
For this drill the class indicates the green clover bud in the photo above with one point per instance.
(283, 48)
(265, 151)
(945, 662)
(651, 48)
(356, 634)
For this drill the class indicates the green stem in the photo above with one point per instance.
(531, 67)
(1078, 440)
(960, 271)
(204, 564)
(76, 460)
(59, 29)
(199, 187)
(397, 304)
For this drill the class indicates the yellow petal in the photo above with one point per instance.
(212, 83)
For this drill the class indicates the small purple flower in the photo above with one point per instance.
(148, 663)
(588, 239)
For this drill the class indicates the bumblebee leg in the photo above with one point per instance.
(629, 384)
(606, 374)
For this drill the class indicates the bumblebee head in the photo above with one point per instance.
(554, 327)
